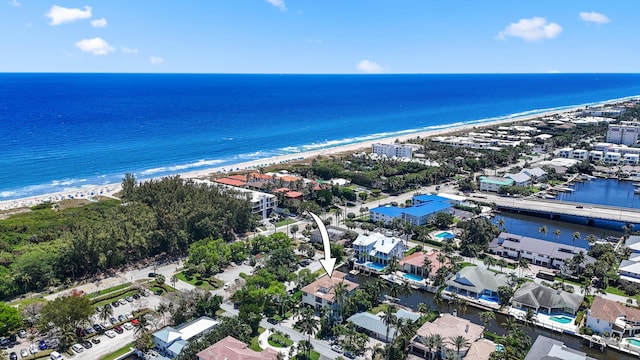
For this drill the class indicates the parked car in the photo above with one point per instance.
(350, 355)
(33, 348)
(337, 348)
(113, 320)
(77, 348)
(86, 344)
(95, 340)
(24, 352)
(226, 286)
(42, 345)
(22, 333)
(136, 296)
(4, 342)
(115, 303)
(99, 309)
(129, 298)
(128, 326)
(108, 306)
(13, 356)
(272, 321)
(152, 274)
(122, 302)
(135, 322)
(128, 315)
(56, 356)
(121, 318)
(118, 329)
(110, 333)
(13, 338)
(89, 330)
(146, 293)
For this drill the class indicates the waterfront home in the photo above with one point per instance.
(494, 183)
(547, 348)
(321, 293)
(536, 174)
(612, 158)
(478, 283)
(377, 248)
(537, 251)
(447, 326)
(170, 341)
(613, 318)
(231, 348)
(374, 326)
(420, 213)
(544, 299)
(414, 263)
(596, 155)
(629, 269)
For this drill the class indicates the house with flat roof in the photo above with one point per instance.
(608, 316)
(377, 248)
(629, 269)
(231, 348)
(321, 293)
(494, 183)
(475, 281)
(170, 341)
(335, 234)
(374, 326)
(537, 251)
(544, 299)
(551, 349)
(261, 203)
(446, 326)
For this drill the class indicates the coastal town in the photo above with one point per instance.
(448, 246)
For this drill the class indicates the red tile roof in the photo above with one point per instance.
(289, 178)
(329, 283)
(609, 310)
(282, 189)
(231, 182)
(417, 259)
(293, 194)
(238, 177)
(231, 348)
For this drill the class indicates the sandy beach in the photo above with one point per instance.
(91, 192)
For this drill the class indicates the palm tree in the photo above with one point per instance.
(389, 319)
(308, 324)
(523, 264)
(556, 232)
(486, 317)
(337, 212)
(591, 239)
(529, 317)
(340, 294)
(162, 309)
(393, 265)
(426, 267)
(490, 261)
(542, 230)
(423, 308)
(575, 236)
(502, 263)
(510, 324)
(106, 313)
(459, 342)
(501, 224)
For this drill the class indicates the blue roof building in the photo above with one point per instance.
(425, 206)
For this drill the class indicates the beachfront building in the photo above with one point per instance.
(392, 150)
(537, 251)
(170, 341)
(447, 326)
(552, 349)
(321, 293)
(540, 298)
(626, 133)
(613, 318)
(378, 249)
(477, 283)
(611, 112)
(231, 348)
(494, 183)
(420, 213)
(374, 326)
(261, 203)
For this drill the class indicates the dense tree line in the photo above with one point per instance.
(47, 247)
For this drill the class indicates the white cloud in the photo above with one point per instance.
(594, 17)
(14, 2)
(60, 15)
(534, 29)
(127, 50)
(279, 4)
(99, 23)
(96, 46)
(369, 67)
(156, 60)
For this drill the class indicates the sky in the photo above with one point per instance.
(320, 36)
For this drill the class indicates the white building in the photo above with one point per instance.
(566, 153)
(378, 248)
(580, 154)
(170, 341)
(612, 158)
(631, 159)
(321, 293)
(596, 155)
(626, 134)
(261, 203)
(613, 317)
(519, 179)
(391, 150)
(493, 183)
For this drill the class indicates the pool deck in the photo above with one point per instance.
(544, 321)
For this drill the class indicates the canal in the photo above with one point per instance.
(473, 314)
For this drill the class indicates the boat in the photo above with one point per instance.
(636, 191)
(392, 279)
(549, 196)
(567, 189)
(354, 272)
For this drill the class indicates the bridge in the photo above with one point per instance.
(555, 208)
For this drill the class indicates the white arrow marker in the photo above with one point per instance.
(328, 262)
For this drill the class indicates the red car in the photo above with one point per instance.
(135, 322)
(118, 329)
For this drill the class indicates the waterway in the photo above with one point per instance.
(473, 314)
(603, 192)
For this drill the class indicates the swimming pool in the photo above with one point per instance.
(376, 266)
(493, 299)
(634, 342)
(412, 277)
(561, 319)
(445, 235)
(499, 347)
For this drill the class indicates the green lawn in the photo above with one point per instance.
(211, 283)
(108, 290)
(285, 222)
(283, 340)
(254, 341)
(123, 350)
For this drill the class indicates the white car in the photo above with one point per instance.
(110, 333)
(122, 301)
(33, 348)
(128, 315)
(226, 286)
(24, 352)
(128, 326)
(77, 348)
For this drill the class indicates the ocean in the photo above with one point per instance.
(62, 131)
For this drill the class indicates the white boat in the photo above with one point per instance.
(549, 196)
(392, 279)
(567, 189)
(636, 191)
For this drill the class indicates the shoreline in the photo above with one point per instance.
(90, 192)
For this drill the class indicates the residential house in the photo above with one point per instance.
(612, 158)
(476, 282)
(170, 341)
(447, 326)
(413, 264)
(537, 251)
(580, 154)
(536, 174)
(374, 326)
(519, 179)
(494, 183)
(335, 234)
(566, 153)
(614, 318)
(321, 293)
(544, 299)
(631, 159)
(551, 349)
(596, 155)
(231, 348)
(377, 248)
(629, 269)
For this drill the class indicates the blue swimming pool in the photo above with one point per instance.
(493, 299)
(499, 347)
(634, 342)
(412, 277)
(561, 319)
(445, 235)
(376, 266)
